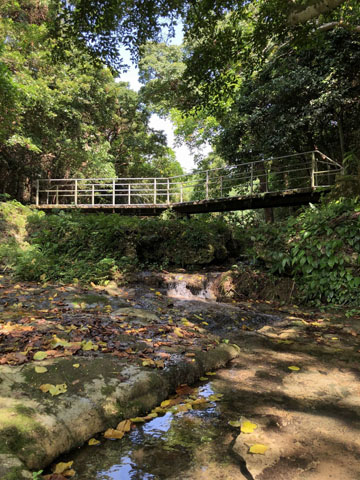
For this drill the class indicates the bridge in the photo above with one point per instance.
(289, 180)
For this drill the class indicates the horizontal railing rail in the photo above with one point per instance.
(278, 174)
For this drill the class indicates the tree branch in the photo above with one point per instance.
(313, 11)
(331, 25)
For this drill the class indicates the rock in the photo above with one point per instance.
(140, 315)
(12, 467)
(257, 463)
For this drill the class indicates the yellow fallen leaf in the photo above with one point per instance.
(41, 369)
(69, 473)
(178, 332)
(216, 397)
(210, 373)
(235, 423)
(89, 345)
(204, 323)
(62, 467)
(124, 426)
(45, 387)
(150, 416)
(165, 403)
(158, 293)
(57, 389)
(40, 356)
(113, 434)
(138, 419)
(148, 363)
(258, 448)
(248, 427)
(294, 368)
(93, 441)
(76, 365)
(199, 401)
(203, 379)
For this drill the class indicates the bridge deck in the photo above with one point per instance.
(227, 204)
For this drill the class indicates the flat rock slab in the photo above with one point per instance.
(38, 427)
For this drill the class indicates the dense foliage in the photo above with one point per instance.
(319, 249)
(66, 119)
(99, 247)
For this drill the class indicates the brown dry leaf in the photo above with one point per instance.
(111, 433)
(159, 363)
(184, 390)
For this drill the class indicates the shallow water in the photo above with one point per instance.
(190, 445)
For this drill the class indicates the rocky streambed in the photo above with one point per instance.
(117, 353)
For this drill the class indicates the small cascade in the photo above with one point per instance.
(192, 287)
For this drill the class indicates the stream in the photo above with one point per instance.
(195, 444)
(295, 382)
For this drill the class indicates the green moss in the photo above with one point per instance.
(90, 299)
(108, 390)
(14, 474)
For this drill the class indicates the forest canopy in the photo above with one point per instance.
(251, 78)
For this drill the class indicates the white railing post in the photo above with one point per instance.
(113, 192)
(207, 185)
(252, 178)
(76, 192)
(168, 191)
(37, 192)
(129, 194)
(313, 170)
(155, 187)
(92, 194)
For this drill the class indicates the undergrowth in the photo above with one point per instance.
(318, 248)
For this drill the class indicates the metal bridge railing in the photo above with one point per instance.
(292, 172)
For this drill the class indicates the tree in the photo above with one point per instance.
(69, 119)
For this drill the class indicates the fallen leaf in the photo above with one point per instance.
(235, 423)
(40, 356)
(41, 369)
(53, 389)
(258, 448)
(294, 368)
(69, 473)
(114, 434)
(93, 441)
(76, 365)
(210, 373)
(89, 345)
(62, 467)
(203, 379)
(45, 387)
(248, 427)
(138, 419)
(124, 426)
